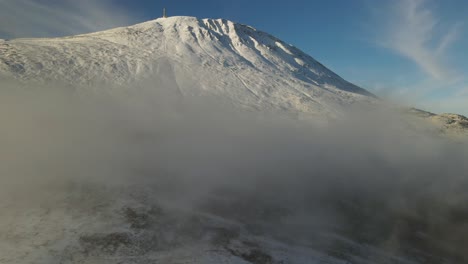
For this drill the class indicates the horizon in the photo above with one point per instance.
(408, 51)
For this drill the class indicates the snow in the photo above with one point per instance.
(75, 229)
(215, 57)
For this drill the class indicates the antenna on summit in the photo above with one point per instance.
(164, 13)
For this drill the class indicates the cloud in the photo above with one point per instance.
(48, 18)
(412, 30)
(366, 176)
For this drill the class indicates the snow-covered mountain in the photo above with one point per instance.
(191, 56)
(90, 182)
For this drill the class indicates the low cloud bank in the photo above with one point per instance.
(366, 177)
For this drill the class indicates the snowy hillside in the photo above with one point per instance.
(191, 56)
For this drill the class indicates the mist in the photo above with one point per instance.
(368, 177)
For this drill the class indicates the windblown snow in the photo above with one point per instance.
(215, 57)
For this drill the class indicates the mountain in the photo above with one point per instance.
(190, 56)
(91, 182)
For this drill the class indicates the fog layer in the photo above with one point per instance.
(367, 177)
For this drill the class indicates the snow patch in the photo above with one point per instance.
(281, 46)
(300, 62)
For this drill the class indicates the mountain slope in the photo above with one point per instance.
(191, 56)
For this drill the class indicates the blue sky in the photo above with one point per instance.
(412, 51)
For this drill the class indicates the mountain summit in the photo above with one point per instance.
(193, 56)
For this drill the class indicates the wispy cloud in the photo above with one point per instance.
(45, 18)
(413, 30)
